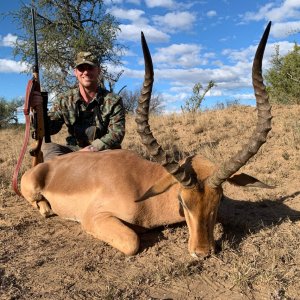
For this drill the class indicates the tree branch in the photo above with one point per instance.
(291, 77)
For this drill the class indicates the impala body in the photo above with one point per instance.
(115, 193)
(108, 205)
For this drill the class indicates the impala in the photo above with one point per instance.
(115, 193)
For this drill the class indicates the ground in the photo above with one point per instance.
(257, 231)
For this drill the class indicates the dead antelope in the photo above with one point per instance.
(114, 193)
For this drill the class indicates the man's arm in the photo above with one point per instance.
(115, 130)
(56, 119)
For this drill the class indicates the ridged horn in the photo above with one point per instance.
(263, 126)
(187, 179)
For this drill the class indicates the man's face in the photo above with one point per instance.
(87, 75)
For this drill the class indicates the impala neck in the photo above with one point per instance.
(165, 209)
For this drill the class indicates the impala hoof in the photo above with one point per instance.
(201, 254)
(44, 208)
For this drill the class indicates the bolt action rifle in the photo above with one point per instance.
(36, 116)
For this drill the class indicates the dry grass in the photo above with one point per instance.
(258, 233)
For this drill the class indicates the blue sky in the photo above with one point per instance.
(190, 42)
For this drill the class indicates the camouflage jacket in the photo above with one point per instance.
(100, 123)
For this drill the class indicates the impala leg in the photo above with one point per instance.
(32, 193)
(32, 184)
(112, 231)
(42, 205)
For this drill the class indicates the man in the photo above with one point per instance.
(95, 118)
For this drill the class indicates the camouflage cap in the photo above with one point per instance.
(86, 58)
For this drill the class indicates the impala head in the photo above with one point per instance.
(200, 180)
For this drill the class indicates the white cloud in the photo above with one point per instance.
(287, 10)
(209, 55)
(8, 40)
(211, 13)
(11, 66)
(231, 80)
(283, 30)
(239, 55)
(180, 55)
(244, 96)
(180, 96)
(112, 2)
(136, 74)
(227, 77)
(175, 21)
(160, 3)
(132, 32)
(134, 15)
(128, 52)
(260, 15)
(246, 55)
(284, 48)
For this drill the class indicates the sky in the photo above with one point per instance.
(191, 41)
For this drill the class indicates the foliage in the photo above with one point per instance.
(131, 98)
(193, 103)
(64, 28)
(283, 78)
(8, 110)
(228, 103)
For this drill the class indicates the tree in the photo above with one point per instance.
(283, 78)
(131, 98)
(64, 28)
(156, 104)
(193, 103)
(8, 111)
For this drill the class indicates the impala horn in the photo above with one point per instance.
(263, 126)
(187, 179)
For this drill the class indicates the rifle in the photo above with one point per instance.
(35, 116)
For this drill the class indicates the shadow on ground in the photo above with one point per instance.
(240, 217)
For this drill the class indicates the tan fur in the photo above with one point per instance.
(103, 191)
(103, 187)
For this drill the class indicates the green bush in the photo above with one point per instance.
(283, 78)
(8, 111)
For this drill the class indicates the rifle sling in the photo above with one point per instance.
(26, 139)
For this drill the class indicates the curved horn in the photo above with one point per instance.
(263, 126)
(143, 128)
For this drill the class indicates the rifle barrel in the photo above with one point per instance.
(36, 63)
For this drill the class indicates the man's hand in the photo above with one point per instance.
(89, 148)
(36, 99)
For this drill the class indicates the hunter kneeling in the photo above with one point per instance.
(95, 117)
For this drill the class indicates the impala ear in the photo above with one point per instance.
(247, 181)
(159, 187)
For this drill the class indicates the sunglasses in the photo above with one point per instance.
(85, 67)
